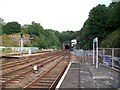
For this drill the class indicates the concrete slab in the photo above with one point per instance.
(84, 75)
(99, 73)
(72, 78)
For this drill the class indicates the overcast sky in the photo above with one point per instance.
(58, 15)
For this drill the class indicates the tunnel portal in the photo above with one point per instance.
(67, 46)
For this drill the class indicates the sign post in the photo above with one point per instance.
(93, 54)
(95, 51)
(112, 57)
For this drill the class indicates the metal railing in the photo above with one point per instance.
(107, 56)
(110, 57)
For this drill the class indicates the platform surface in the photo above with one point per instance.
(85, 75)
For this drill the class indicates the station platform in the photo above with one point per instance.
(85, 75)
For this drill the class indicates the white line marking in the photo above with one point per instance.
(61, 80)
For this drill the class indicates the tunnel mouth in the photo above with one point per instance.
(67, 46)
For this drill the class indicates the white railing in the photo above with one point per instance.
(19, 48)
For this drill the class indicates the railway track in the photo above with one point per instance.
(19, 77)
(50, 77)
(18, 54)
(13, 67)
(7, 62)
(24, 60)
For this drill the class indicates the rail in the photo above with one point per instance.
(22, 73)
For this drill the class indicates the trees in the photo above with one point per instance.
(35, 29)
(67, 36)
(101, 22)
(1, 25)
(52, 39)
(42, 38)
(113, 14)
(96, 24)
(11, 28)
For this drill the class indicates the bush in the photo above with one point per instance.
(6, 50)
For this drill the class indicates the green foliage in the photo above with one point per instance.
(11, 28)
(101, 22)
(6, 50)
(67, 36)
(42, 38)
(112, 40)
(27, 45)
(47, 38)
(34, 28)
(40, 42)
(53, 38)
(113, 14)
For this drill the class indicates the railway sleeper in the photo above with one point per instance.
(42, 85)
(38, 87)
(2, 78)
(8, 85)
(16, 81)
(12, 86)
(6, 76)
(53, 75)
(20, 78)
(2, 81)
(47, 78)
(45, 81)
